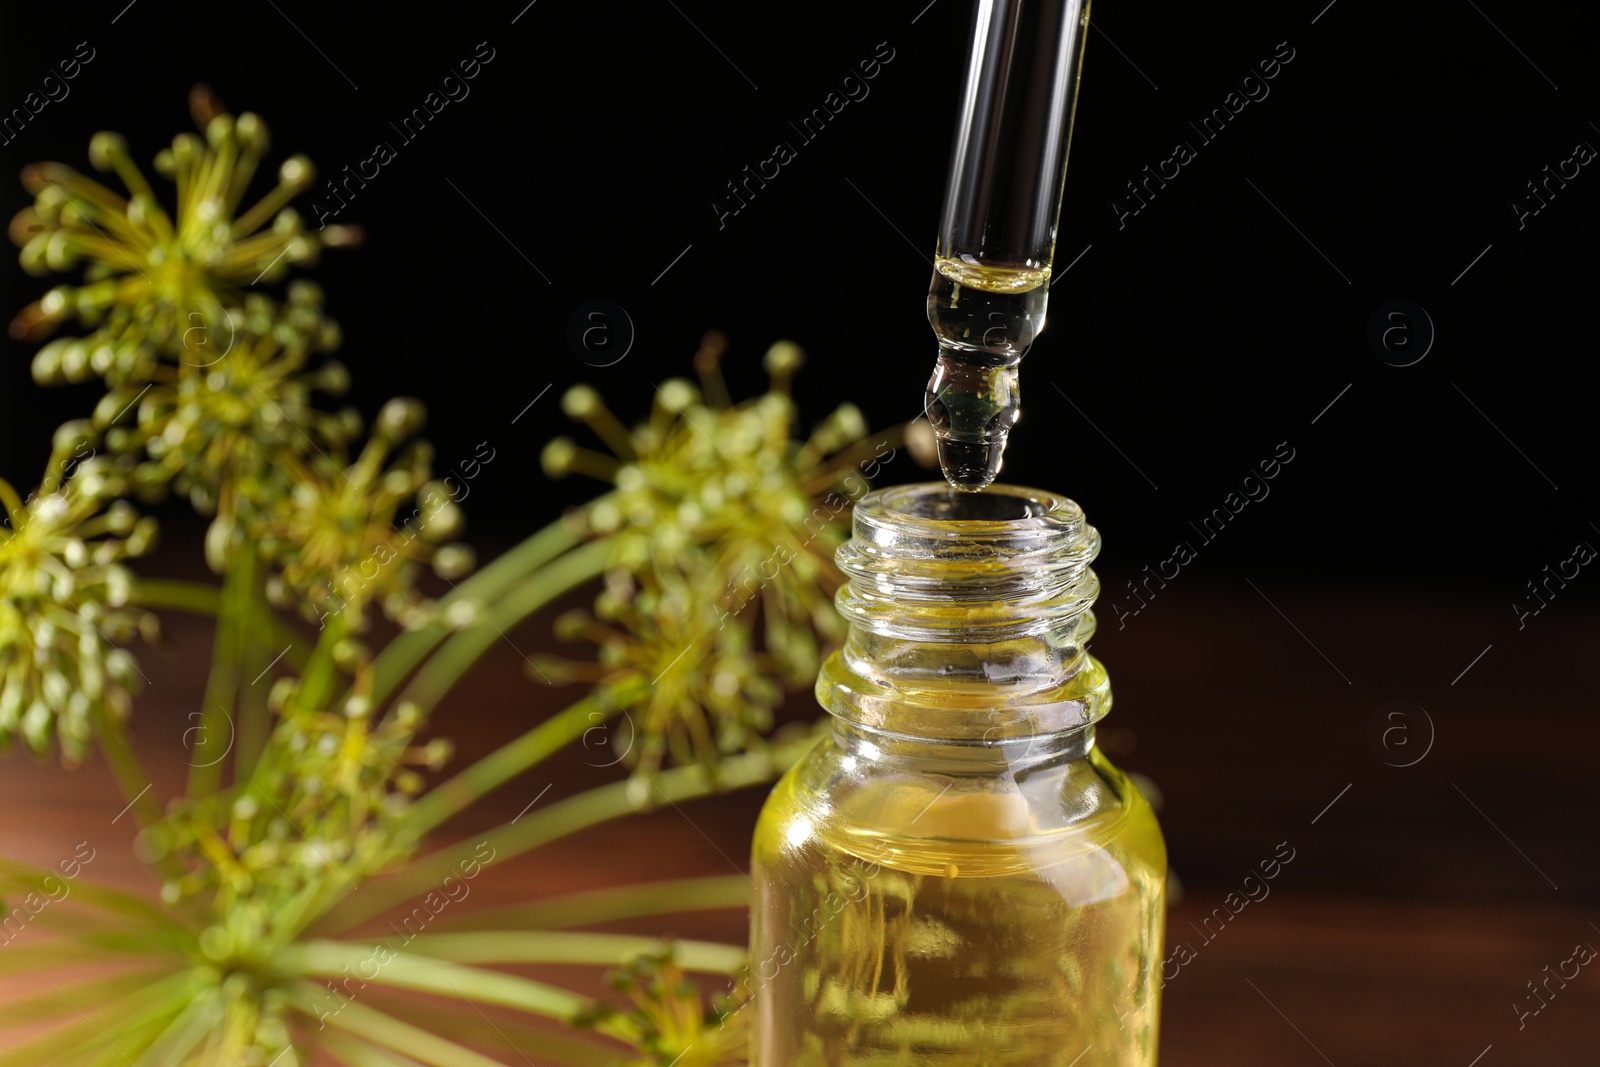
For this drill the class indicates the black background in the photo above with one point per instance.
(1196, 338)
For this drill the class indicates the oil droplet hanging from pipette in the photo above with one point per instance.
(985, 318)
(972, 408)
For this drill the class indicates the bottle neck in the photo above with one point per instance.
(1007, 757)
(969, 619)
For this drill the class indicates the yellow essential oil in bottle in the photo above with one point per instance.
(955, 876)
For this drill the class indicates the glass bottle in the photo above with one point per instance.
(955, 876)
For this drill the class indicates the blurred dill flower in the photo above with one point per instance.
(667, 1020)
(333, 535)
(707, 486)
(689, 682)
(65, 604)
(219, 431)
(149, 277)
(329, 809)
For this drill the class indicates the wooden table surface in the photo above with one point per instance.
(1420, 902)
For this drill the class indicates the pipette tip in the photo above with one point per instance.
(972, 405)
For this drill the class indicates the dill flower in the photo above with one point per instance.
(218, 431)
(330, 810)
(333, 535)
(689, 682)
(325, 814)
(151, 277)
(65, 605)
(667, 1020)
(707, 486)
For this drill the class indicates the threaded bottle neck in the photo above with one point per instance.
(969, 613)
(927, 562)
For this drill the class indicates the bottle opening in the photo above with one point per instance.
(1000, 503)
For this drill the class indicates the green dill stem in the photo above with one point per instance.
(222, 687)
(113, 925)
(97, 991)
(401, 656)
(135, 784)
(321, 674)
(561, 818)
(357, 1053)
(503, 764)
(139, 1029)
(451, 1016)
(317, 683)
(387, 1032)
(609, 905)
(197, 598)
(201, 598)
(545, 946)
(531, 593)
(201, 1013)
(130, 776)
(255, 718)
(408, 970)
(132, 1022)
(351, 1050)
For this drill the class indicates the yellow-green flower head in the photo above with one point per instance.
(331, 810)
(668, 1021)
(65, 606)
(151, 277)
(340, 538)
(684, 677)
(216, 431)
(709, 486)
